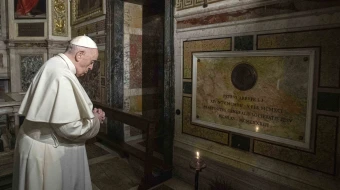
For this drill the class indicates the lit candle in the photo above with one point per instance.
(198, 155)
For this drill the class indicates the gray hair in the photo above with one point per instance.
(72, 49)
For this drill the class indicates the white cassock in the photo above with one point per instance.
(50, 151)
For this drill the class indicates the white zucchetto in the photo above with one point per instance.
(84, 41)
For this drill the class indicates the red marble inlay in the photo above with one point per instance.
(257, 12)
(135, 61)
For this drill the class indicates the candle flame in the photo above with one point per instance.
(257, 128)
(198, 154)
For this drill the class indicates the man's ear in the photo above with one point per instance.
(79, 55)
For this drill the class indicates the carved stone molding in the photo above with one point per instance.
(57, 44)
(26, 44)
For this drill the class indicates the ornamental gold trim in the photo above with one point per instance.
(92, 12)
(60, 18)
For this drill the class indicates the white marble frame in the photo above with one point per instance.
(310, 53)
(13, 27)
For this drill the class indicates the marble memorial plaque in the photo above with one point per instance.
(264, 94)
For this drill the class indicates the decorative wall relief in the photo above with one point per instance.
(87, 9)
(60, 18)
(185, 4)
(29, 66)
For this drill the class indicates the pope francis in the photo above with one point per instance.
(59, 117)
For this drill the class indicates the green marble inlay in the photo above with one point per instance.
(198, 131)
(240, 142)
(243, 43)
(187, 87)
(325, 148)
(328, 101)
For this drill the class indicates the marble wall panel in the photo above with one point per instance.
(324, 158)
(290, 6)
(136, 104)
(243, 43)
(327, 39)
(127, 61)
(132, 65)
(133, 15)
(93, 27)
(136, 61)
(29, 66)
(92, 80)
(199, 131)
(223, 44)
(132, 53)
(0, 20)
(1, 61)
(152, 50)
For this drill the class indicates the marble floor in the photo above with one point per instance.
(109, 172)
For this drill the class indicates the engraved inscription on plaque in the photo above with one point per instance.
(264, 94)
(244, 76)
(31, 29)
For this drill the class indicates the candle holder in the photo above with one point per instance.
(198, 165)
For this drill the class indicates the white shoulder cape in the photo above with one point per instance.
(55, 94)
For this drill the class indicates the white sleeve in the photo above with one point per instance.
(78, 131)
